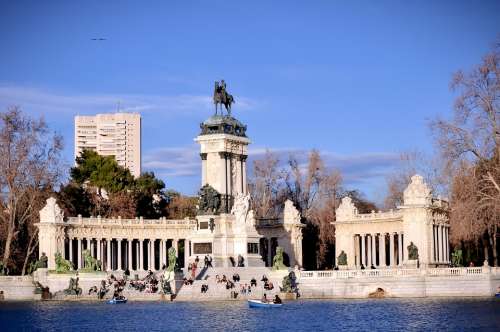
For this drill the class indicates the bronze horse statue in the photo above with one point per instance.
(222, 97)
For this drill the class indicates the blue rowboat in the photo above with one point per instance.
(116, 301)
(497, 295)
(260, 304)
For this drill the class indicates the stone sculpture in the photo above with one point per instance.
(342, 259)
(172, 260)
(240, 210)
(412, 251)
(289, 284)
(208, 200)
(278, 260)
(62, 265)
(457, 258)
(73, 288)
(89, 262)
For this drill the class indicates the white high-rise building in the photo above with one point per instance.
(114, 134)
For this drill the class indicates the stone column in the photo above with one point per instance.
(369, 250)
(440, 243)
(162, 253)
(357, 252)
(108, 255)
(141, 255)
(119, 262)
(223, 173)
(129, 257)
(400, 249)
(244, 173)
(79, 261)
(91, 247)
(71, 255)
(148, 254)
(391, 250)
(203, 168)
(153, 254)
(363, 249)
(436, 246)
(99, 244)
(374, 250)
(447, 244)
(381, 250)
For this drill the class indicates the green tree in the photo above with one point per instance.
(101, 172)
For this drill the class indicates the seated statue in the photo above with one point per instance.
(73, 288)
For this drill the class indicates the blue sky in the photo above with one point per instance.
(356, 80)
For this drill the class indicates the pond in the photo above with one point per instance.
(304, 315)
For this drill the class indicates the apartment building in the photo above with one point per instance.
(113, 134)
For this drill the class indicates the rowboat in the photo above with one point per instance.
(116, 301)
(260, 304)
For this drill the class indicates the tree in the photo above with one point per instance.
(101, 172)
(29, 168)
(411, 163)
(470, 145)
(267, 186)
(151, 200)
(180, 206)
(315, 191)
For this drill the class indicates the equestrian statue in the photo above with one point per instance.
(222, 97)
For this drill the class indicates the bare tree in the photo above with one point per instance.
(470, 145)
(29, 167)
(267, 186)
(411, 163)
(316, 191)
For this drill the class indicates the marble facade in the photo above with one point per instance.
(381, 239)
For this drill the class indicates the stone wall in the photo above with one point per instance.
(17, 287)
(452, 282)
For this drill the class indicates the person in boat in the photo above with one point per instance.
(277, 299)
(264, 299)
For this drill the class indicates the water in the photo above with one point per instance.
(307, 315)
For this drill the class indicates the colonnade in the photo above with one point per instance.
(441, 248)
(122, 254)
(372, 249)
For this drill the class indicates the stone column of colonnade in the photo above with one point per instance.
(118, 254)
(441, 252)
(366, 253)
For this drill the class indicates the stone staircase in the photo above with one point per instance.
(218, 291)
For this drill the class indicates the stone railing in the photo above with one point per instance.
(382, 273)
(119, 221)
(375, 216)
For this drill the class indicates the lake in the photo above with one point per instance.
(303, 315)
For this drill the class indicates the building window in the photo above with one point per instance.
(253, 248)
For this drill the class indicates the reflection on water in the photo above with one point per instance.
(310, 315)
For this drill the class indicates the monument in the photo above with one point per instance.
(225, 227)
(225, 224)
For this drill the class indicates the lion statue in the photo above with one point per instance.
(62, 265)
